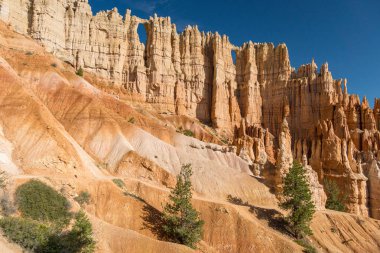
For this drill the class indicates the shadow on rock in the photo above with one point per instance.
(153, 220)
(274, 218)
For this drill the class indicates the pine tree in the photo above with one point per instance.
(181, 222)
(80, 238)
(334, 199)
(298, 201)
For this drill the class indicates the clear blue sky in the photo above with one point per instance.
(345, 33)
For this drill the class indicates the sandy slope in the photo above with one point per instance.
(60, 128)
(342, 232)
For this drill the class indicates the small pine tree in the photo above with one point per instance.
(298, 201)
(181, 222)
(334, 199)
(77, 240)
(80, 238)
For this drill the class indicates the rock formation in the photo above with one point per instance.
(193, 73)
(318, 195)
(284, 156)
(373, 173)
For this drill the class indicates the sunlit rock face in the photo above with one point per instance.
(193, 73)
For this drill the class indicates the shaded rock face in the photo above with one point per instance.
(193, 73)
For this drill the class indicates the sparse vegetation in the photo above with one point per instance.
(181, 222)
(308, 248)
(7, 207)
(44, 232)
(335, 200)
(54, 65)
(103, 165)
(28, 233)
(79, 239)
(186, 132)
(40, 237)
(40, 202)
(189, 133)
(118, 182)
(80, 72)
(29, 53)
(84, 197)
(297, 199)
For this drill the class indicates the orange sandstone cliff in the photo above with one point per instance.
(251, 119)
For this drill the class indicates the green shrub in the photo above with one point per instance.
(42, 229)
(27, 233)
(103, 165)
(118, 182)
(54, 65)
(29, 53)
(308, 248)
(80, 238)
(40, 202)
(80, 72)
(188, 133)
(39, 237)
(84, 197)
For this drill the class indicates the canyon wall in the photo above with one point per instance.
(248, 99)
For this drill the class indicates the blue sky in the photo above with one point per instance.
(345, 33)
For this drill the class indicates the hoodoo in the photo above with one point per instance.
(135, 113)
(193, 74)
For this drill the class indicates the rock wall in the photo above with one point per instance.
(193, 73)
(372, 171)
(284, 157)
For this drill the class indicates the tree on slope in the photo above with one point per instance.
(297, 200)
(181, 222)
(80, 238)
(334, 199)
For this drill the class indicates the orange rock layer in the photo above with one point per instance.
(193, 74)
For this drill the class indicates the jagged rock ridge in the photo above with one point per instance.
(193, 74)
